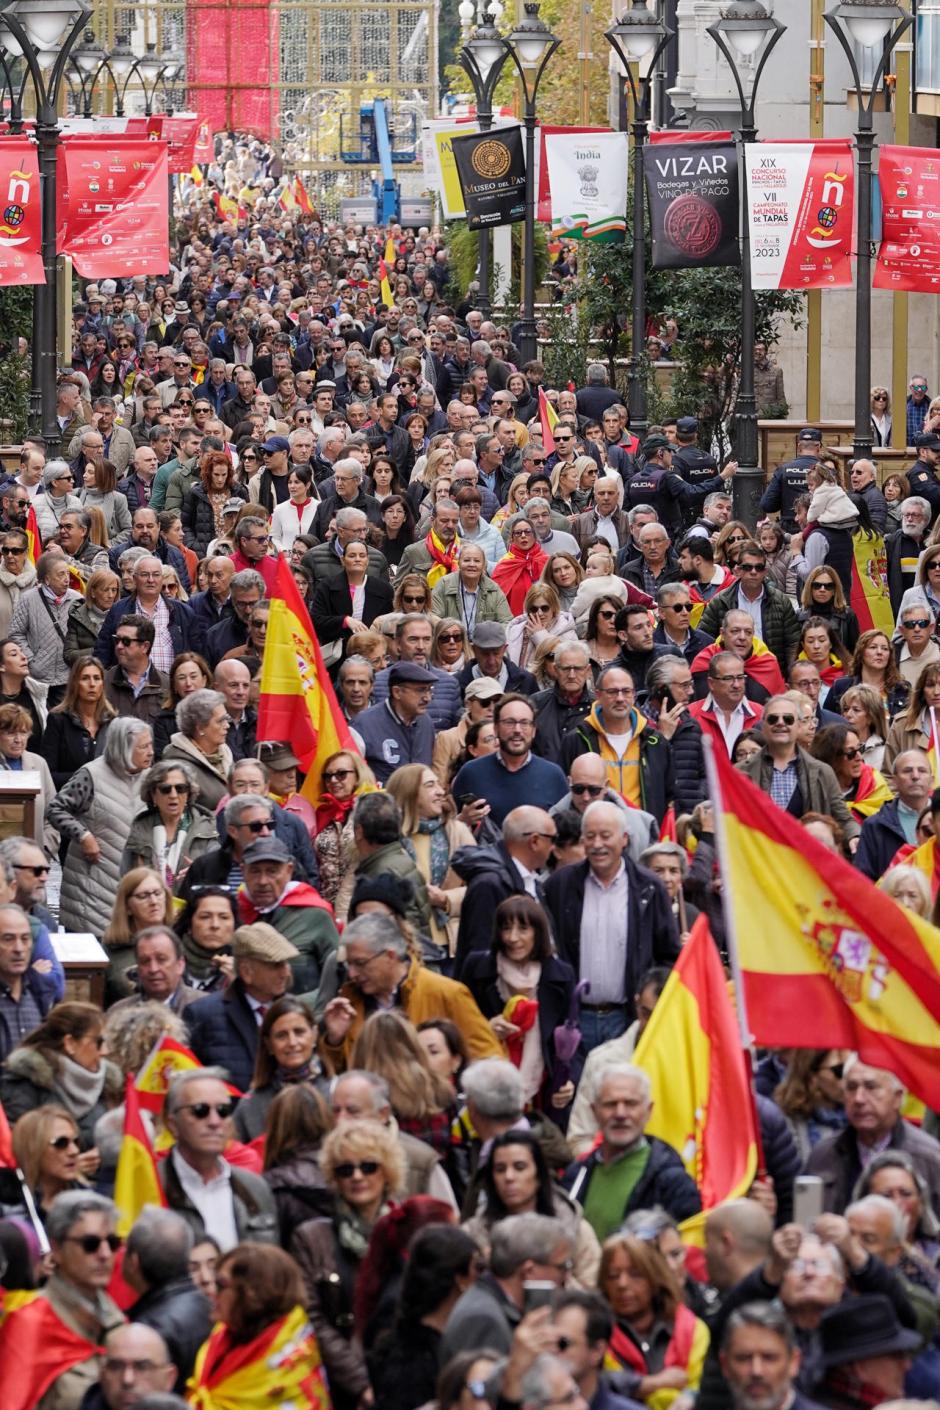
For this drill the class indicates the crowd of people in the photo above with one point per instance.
(389, 1182)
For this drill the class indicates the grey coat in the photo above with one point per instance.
(41, 635)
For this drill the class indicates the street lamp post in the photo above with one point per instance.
(867, 23)
(483, 57)
(746, 29)
(638, 38)
(530, 46)
(42, 33)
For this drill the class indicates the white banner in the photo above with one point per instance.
(587, 174)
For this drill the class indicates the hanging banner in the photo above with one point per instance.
(587, 176)
(800, 200)
(21, 223)
(543, 210)
(204, 150)
(113, 209)
(693, 204)
(437, 136)
(909, 254)
(491, 168)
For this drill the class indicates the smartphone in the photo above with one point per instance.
(807, 1200)
(467, 800)
(537, 1294)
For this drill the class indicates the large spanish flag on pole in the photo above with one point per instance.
(691, 1050)
(297, 701)
(385, 286)
(824, 956)
(869, 595)
(135, 1181)
(153, 1079)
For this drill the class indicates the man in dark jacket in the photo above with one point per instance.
(156, 1266)
(637, 756)
(674, 602)
(654, 566)
(237, 823)
(891, 828)
(609, 895)
(904, 547)
(510, 868)
(775, 623)
(182, 629)
(638, 650)
(25, 1000)
(145, 533)
(224, 1027)
(557, 710)
(490, 659)
(670, 686)
(628, 1170)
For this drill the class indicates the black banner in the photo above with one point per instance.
(693, 203)
(491, 168)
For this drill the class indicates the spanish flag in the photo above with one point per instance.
(196, 176)
(281, 1366)
(135, 1182)
(286, 200)
(391, 254)
(386, 286)
(825, 956)
(36, 1348)
(297, 699)
(34, 542)
(871, 794)
(301, 197)
(153, 1079)
(869, 593)
(702, 1104)
(226, 207)
(549, 419)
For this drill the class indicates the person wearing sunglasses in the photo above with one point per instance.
(230, 1204)
(47, 1146)
(169, 831)
(774, 622)
(72, 1310)
(792, 778)
(810, 1095)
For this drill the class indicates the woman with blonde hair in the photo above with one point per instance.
(450, 645)
(412, 594)
(567, 497)
(76, 728)
(172, 585)
(143, 898)
(422, 1102)
(439, 461)
(47, 1147)
(729, 541)
(86, 617)
(564, 573)
(880, 416)
(343, 778)
(863, 709)
(515, 500)
(434, 834)
(542, 664)
(913, 729)
(540, 618)
(910, 888)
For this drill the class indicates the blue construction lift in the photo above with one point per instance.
(382, 146)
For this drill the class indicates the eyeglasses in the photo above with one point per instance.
(616, 690)
(593, 790)
(825, 584)
(128, 640)
(918, 386)
(850, 753)
(731, 680)
(450, 636)
(90, 1243)
(412, 597)
(563, 440)
(545, 836)
(36, 871)
(836, 1069)
(249, 455)
(62, 1143)
(677, 606)
(541, 607)
(166, 788)
(262, 825)
(201, 1110)
(337, 773)
(11, 552)
(607, 614)
(69, 477)
(349, 1168)
(752, 567)
(780, 719)
(916, 622)
(883, 396)
(151, 895)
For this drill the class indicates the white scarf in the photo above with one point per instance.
(524, 979)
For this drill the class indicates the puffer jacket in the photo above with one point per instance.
(300, 1191)
(664, 1182)
(27, 1081)
(99, 801)
(38, 625)
(781, 630)
(656, 785)
(12, 586)
(688, 762)
(81, 631)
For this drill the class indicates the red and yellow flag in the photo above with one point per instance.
(549, 419)
(819, 945)
(135, 1181)
(301, 197)
(226, 207)
(386, 286)
(281, 1366)
(35, 1349)
(196, 176)
(702, 1104)
(390, 252)
(869, 595)
(297, 701)
(153, 1079)
(7, 1158)
(33, 541)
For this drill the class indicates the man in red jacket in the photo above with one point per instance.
(725, 712)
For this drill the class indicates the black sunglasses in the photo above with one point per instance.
(349, 1167)
(202, 1109)
(258, 826)
(916, 622)
(166, 788)
(90, 1243)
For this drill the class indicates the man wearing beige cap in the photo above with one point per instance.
(479, 697)
(224, 1027)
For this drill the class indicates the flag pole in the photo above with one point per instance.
(740, 1003)
(33, 1212)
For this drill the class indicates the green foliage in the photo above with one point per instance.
(14, 397)
(16, 313)
(463, 248)
(567, 354)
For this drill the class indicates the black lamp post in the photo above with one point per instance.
(41, 34)
(866, 23)
(638, 38)
(482, 58)
(745, 29)
(123, 67)
(530, 46)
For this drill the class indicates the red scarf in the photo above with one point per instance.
(625, 1350)
(330, 809)
(444, 556)
(516, 573)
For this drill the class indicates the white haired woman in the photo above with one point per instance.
(202, 725)
(93, 815)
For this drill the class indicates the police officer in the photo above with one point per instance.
(690, 461)
(922, 476)
(658, 484)
(788, 481)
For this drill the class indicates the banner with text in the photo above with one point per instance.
(21, 224)
(693, 203)
(543, 209)
(113, 208)
(587, 176)
(800, 200)
(909, 254)
(491, 168)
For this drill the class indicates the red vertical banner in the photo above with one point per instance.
(233, 66)
(113, 208)
(204, 149)
(909, 255)
(20, 213)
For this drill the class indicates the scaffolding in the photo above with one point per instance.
(332, 57)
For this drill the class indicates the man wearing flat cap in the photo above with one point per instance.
(398, 730)
(295, 909)
(224, 1027)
